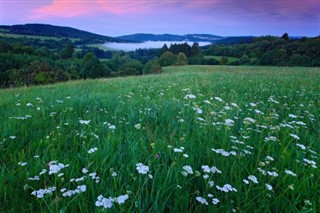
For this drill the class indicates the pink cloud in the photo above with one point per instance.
(75, 8)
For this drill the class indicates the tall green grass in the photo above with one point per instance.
(183, 114)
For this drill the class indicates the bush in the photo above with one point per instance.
(167, 59)
(152, 67)
(210, 61)
(182, 59)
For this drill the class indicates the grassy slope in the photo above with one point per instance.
(157, 103)
(12, 35)
(231, 59)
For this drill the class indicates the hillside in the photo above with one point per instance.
(141, 37)
(194, 140)
(57, 31)
(235, 40)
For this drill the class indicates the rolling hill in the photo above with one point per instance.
(141, 37)
(57, 31)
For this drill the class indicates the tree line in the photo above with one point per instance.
(26, 61)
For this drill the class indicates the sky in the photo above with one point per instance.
(218, 17)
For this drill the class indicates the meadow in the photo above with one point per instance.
(193, 139)
(41, 38)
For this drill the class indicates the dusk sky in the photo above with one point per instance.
(219, 17)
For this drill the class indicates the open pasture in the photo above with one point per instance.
(194, 139)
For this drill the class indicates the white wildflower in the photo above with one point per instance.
(213, 169)
(22, 163)
(211, 183)
(218, 99)
(41, 192)
(294, 136)
(122, 198)
(270, 138)
(291, 187)
(35, 178)
(137, 126)
(199, 111)
(270, 158)
(253, 104)
(112, 127)
(55, 167)
(189, 96)
(43, 171)
(269, 187)
(142, 169)
(215, 201)
(202, 200)
(188, 169)
(184, 173)
(229, 122)
(292, 116)
(92, 150)
(274, 174)
(249, 120)
(104, 202)
(245, 181)
(235, 105)
(290, 173)
(178, 149)
(226, 188)
(207, 102)
(82, 188)
(205, 176)
(227, 108)
(253, 178)
(86, 122)
(303, 147)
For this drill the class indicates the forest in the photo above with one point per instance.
(33, 61)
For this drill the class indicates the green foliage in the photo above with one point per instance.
(167, 59)
(91, 66)
(22, 57)
(43, 78)
(269, 50)
(299, 60)
(224, 60)
(164, 49)
(4, 46)
(67, 51)
(195, 49)
(210, 61)
(152, 67)
(285, 36)
(267, 58)
(245, 59)
(182, 59)
(131, 67)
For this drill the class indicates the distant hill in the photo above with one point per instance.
(235, 40)
(141, 37)
(57, 31)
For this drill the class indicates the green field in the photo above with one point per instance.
(194, 139)
(218, 58)
(100, 46)
(42, 38)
